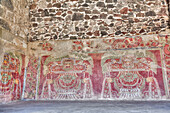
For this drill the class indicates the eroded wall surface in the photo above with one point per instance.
(13, 43)
(14, 25)
(14, 16)
(12, 66)
(84, 19)
(111, 68)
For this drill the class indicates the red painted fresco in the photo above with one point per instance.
(31, 78)
(97, 76)
(127, 77)
(167, 61)
(128, 68)
(12, 75)
(131, 77)
(67, 79)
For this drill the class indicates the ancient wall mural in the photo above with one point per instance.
(30, 81)
(133, 74)
(112, 68)
(67, 79)
(11, 76)
(167, 61)
(12, 63)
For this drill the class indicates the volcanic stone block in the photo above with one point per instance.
(150, 13)
(110, 6)
(77, 17)
(33, 6)
(100, 4)
(108, 1)
(46, 13)
(124, 10)
(103, 33)
(118, 33)
(58, 5)
(140, 15)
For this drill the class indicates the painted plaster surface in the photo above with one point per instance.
(12, 64)
(13, 31)
(94, 69)
(112, 68)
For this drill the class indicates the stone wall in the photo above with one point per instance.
(14, 16)
(84, 19)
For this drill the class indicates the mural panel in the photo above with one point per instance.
(31, 78)
(11, 76)
(133, 75)
(124, 68)
(67, 78)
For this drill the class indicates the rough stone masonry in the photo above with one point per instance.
(86, 19)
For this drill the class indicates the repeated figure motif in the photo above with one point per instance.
(126, 77)
(67, 79)
(126, 82)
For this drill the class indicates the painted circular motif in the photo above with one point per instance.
(5, 81)
(129, 79)
(68, 81)
(5, 78)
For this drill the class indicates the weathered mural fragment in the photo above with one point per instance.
(11, 76)
(31, 78)
(133, 74)
(12, 66)
(110, 68)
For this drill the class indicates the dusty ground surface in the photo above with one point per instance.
(87, 107)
